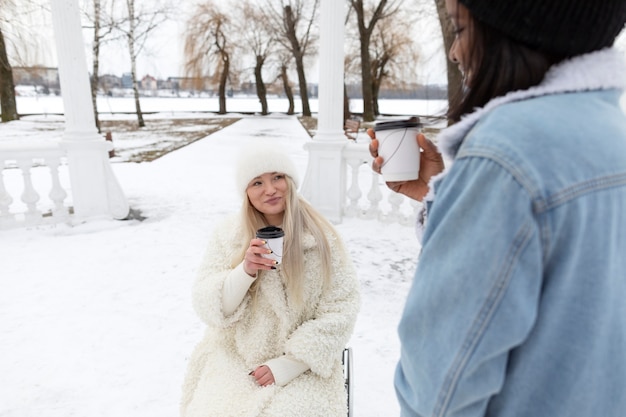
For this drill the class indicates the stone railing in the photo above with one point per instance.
(43, 195)
(366, 194)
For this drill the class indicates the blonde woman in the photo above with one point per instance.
(275, 332)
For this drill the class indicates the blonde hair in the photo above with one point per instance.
(299, 218)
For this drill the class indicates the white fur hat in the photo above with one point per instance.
(257, 159)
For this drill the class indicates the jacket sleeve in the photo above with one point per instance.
(285, 369)
(235, 288)
(475, 294)
(212, 275)
(320, 341)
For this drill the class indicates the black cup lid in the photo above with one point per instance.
(397, 124)
(270, 232)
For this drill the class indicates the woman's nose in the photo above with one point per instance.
(452, 54)
(270, 189)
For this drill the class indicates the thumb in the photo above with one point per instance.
(427, 145)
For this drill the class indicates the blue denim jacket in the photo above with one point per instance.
(518, 306)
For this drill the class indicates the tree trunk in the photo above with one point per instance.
(7, 87)
(223, 81)
(96, 61)
(261, 91)
(298, 55)
(285, 78)
(304, 89)
(133, 60)
(455, 78)
(366, 81)
(133, 73)
(375, 91)
(365, 35)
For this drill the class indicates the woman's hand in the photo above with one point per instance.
(263, 375)
(431, 163)
(253, 261)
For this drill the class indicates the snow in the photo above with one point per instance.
(96, 318)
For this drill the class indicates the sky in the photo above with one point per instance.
(96, 318)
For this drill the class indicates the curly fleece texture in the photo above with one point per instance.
(217, 382)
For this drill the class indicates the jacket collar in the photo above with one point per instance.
(599, 70)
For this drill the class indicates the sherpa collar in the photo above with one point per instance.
(600, 70)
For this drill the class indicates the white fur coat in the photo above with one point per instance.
(217, 383)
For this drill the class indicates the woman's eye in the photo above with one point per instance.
(279, 177)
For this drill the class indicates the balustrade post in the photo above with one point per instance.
(374, 196)
(354, 192)
(395, 215)
(6, 218)
(57, 193)
(30, 197)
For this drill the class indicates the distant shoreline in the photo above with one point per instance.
(53, 105)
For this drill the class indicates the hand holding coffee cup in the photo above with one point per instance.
(428, 163)
(273, 237)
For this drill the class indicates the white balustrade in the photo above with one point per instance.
(379, 203)
(42, 198)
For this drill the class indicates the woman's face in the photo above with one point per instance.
(268, 193)
(460, 50)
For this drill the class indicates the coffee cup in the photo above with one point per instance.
(397, 145)
(273, 237)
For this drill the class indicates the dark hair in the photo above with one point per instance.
(498, 65)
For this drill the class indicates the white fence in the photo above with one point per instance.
(42, 193)
(367, 195)
(41, 198)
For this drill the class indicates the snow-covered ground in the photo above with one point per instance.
(96, 319)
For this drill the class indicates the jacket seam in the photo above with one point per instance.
(509, 166)
(576, 190)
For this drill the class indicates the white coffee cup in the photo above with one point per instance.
(397, 145)
(273, 237)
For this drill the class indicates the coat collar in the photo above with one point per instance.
(600, 70)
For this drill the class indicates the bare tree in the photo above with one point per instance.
(207, 46)
(139, 23)
(295, 23)
(379, 10)
(103, 26)
(258, 38)
(284, 77)
(394, 54)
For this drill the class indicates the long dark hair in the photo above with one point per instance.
(498, 65)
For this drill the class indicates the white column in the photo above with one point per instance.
(324, 181)
(95, 190)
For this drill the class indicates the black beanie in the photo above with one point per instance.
(563, 27)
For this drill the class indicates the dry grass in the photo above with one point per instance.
(167, 135)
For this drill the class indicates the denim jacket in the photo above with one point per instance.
(518, 306)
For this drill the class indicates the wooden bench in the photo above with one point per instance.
(351, 128)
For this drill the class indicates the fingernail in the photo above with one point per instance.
(251, 372)
(273, 267)
(270, 251)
